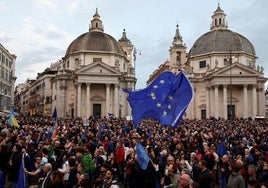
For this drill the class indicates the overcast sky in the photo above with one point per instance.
(38, 32)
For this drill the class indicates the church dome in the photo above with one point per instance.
(94, 41)
(221, 41)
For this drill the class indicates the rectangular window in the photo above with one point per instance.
(7, 75)
(3, 58)
(226, 62)
(10, 64)
(178, 58)
(2, 74)
(97, 60)
(202, 64)
(249, 63)
(203, 113)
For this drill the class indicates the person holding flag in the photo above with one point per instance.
(146, 164)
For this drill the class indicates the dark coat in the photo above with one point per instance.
(14, 167)
(205, 179)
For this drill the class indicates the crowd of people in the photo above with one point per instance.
(211, 153)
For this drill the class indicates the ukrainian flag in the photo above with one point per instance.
(12, 120)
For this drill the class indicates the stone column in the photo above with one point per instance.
(79, 100)
(254, 101)
(245, 101)
(192, 112)
(107, 99)
(225, 101)
(116, 103)
(208, 101)
(88, 106)
(262, 102)
(216, 96)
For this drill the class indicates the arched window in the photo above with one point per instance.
(220, 21)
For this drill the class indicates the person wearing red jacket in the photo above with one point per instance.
(120, 159)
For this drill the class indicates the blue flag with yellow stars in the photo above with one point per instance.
(165, 99)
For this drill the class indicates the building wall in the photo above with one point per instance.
(7, 79)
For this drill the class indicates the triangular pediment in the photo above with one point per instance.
(97, 68)
(236, 69)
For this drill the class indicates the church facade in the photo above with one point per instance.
(222, 67)
(93, 72)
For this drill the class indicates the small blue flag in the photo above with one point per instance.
(1, 179)
(110, 114)
(142, 155)
(165, 99)
(221, 149)
(21, 181)
(157, 184)
(52, 132)
(55, 115)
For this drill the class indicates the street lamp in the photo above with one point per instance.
(1, 86)
(231, 100)
(135, 51)
(232, 108)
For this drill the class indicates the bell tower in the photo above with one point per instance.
(96, 23)
(218, 19)
(177, 52)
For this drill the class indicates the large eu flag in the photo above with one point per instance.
(165, 99)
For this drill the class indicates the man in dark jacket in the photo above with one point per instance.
(47, 180)
(14, 165)
(204, 178)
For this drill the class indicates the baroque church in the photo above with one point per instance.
(88, 80)
(94, 69)
(222, 67)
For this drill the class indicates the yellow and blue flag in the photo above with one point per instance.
(12, 120)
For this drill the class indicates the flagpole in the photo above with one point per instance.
(23, 165)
